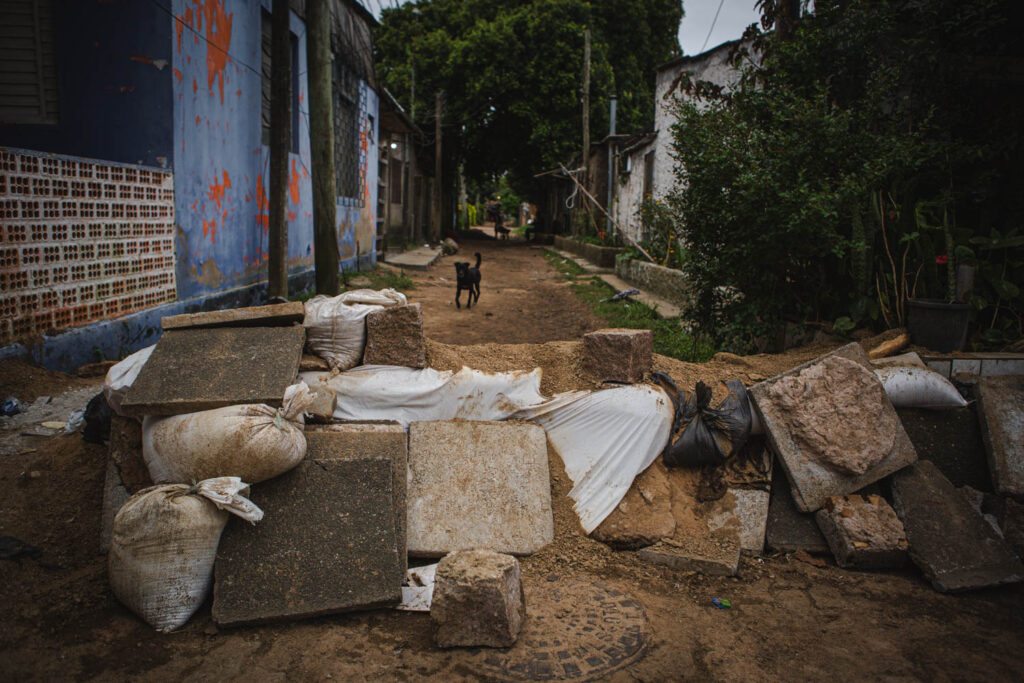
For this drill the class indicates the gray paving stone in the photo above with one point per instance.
(200, 369)
(949, 540)
(272, 315)
(788, 529)
(863, 532)
(856, 451)
(478, 485)
(325, 545)
(752, 510)
(1001, 414)
(362, 440)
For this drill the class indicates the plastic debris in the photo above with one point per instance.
(721, 603)
(11, 406)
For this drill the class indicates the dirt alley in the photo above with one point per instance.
(789, 620)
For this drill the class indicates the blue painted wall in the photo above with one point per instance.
(221, 167)
(114, 81)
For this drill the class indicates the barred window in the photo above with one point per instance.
(346, 130)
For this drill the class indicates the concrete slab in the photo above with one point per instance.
(788, 529)
(949, 540)
(752, 510)
(832, 426)
(272, 315)
(361, 440)
(587, 266)
(199, 369)
(1001, 415)
(478, 485)
(419, 258)
(863, 532)
(325, 545)
(951, 439)
(663, 307)
(717, 555)
(394, 336)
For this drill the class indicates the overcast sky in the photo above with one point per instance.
(734, 17)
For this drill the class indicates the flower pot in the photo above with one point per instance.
(938, 325)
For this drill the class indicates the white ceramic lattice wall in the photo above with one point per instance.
(80, 241)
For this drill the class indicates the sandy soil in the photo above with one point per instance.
(789, 620)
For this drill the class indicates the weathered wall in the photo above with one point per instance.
(667, 283)
(114, 82)
(222, 167)
(629, 188)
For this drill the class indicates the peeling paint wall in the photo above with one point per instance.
(221, 166)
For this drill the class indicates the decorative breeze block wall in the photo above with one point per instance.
(80, 241)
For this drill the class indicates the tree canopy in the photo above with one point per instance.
(510, 71)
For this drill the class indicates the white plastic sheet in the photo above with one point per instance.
(606, 438)
(121, 376)
(389, 392)
(418, 589)
(336, 326)
(915, 387)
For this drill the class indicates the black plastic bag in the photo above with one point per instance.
(97, 420)
(703, 435)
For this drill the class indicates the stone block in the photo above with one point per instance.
(476, 485)
(1001, 414)
(114, 496)
(716, 555)
(788, 529)
(272, 315)
(362, 440)
(125, 449)
(949, 540)
(478, 600)
(752, 510)
(200, 369)
(863, 532)
(618, 355)
(394, 336)
(325, 545)
(832, 426)
(645, 514)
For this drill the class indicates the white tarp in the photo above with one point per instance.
(389, 392)
(418, 589)
(606, 438)
(121, 376)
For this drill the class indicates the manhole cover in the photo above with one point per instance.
(572, 632)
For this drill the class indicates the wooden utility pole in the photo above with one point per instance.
(321, 138)
(435, 230)
(586, 106)
(280, 146)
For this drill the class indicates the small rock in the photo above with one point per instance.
(863, 532)
(449, 247)
(478, 600)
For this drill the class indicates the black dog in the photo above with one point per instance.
(469, 279)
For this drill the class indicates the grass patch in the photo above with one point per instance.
(669, 337)
(385, 278)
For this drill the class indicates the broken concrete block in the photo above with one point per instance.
(478, 485)
(707, 534)
(618, 355)
(1013, 525)
(832, 426)
(125, 451)
(272, 315)
(645, 514)
(478, 600)
(199, 369)
(1001, 414)
(752, 510)
(950, 438)
(951, 543)
(863, 532)
(362, 440)
(326, 544)
(788, 529)
(114, 496)
(394, 336)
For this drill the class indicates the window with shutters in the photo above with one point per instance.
(28, 66)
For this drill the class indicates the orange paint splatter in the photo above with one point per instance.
(198, 119)
(262, 205)
(177, 74)
(195, 86)
(292, 215)
(210, 229)
(217, 190)
(218, 42)
(293, 184)
(238, 93)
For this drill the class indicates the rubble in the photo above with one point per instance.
(272, 315)
(326, 544)
(949, 540)
(863, 532)
(618, 355)
(125, 451)
(394, 336)
(478, 600)
(200, 369)
(832, 426)
(644, 516)
(478, 485)
(1001, 415)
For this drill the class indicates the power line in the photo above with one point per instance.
(713, 22)
(171, 14)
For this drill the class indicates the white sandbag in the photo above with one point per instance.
(605, 438)
(121, 376)
(390, 392)
(913, 387)
(254, 442)
(336, 326)
(164, 544)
